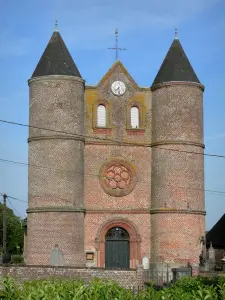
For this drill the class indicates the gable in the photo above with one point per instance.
(118, 71)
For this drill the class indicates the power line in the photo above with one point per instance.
(13, 207)
(99, 138)
(80, 173)
(43, 167)
(108, 139)
(94, 175)
(13, 198)
(203, 190)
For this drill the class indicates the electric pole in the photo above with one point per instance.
(4, 250)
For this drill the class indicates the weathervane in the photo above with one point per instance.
(176, 34)
(116, 48)
(56, 25)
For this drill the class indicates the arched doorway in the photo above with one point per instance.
(117, 248)
(134, 241)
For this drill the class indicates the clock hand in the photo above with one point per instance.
(118, 90)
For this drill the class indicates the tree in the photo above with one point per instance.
(14, 235)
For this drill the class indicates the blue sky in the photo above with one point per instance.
(146, 29)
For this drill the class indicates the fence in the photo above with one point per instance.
(208, 266)
(161, 278)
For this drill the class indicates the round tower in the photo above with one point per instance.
(55, 222)
(177, 200)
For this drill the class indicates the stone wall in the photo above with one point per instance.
(131, 279)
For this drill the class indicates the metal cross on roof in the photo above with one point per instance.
(116, 48)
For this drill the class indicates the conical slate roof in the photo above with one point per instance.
(176, 66)
(56, 59)
(217, 234)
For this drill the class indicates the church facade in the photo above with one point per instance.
(116, 171)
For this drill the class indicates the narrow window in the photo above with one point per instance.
(134, 117)
(101, 116)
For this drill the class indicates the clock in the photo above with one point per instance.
(118, 88)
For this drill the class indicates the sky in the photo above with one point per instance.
(146, 30)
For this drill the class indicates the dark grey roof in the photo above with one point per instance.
(217, 234)
(176, 66)
(56, 59)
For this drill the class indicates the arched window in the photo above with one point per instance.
(101, 116)
(134, 117)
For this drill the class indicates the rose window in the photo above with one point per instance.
(117, 178)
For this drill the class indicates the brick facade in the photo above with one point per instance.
(95, 179)
(56, 208)
(105, 209)
(177, 204)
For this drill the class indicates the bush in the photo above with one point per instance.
(188, 284)
(185, 289)
(17, 258)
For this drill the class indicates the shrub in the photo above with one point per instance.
(54, 289)
(17, 259)
(188, 284)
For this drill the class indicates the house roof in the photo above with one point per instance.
(56, 59)
(217, 234)
(176, 66)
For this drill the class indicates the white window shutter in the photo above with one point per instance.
(134, 117)
(101, 116)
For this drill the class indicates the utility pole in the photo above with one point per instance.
(4, 250)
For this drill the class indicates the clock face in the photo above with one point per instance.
(118, 88)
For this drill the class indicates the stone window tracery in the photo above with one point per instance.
(117, 178)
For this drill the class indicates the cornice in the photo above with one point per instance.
(177, 211)
(55, 137)
(112, 143)
(55, 209)
(173, 83)
(118, 211)
(177, 142)
(136, 144)
(55, 77)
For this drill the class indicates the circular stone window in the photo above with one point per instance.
(117, 177)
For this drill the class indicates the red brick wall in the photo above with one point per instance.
(132, 209)
(55, 210)
(177, 211)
